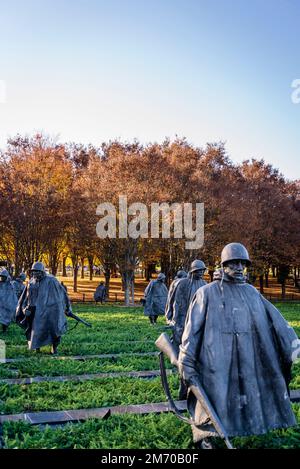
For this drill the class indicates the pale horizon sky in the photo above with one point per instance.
(208, 70)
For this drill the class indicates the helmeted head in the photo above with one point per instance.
(181, 274)
(197, 264)
(233, 252)
(234, 259)
(197, 269)
(38, 270)
(22, 277)
(4, 275)
(161, 277)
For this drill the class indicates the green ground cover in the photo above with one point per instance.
(52, 367)
(114, 330)
(133, 431)
(101, 392)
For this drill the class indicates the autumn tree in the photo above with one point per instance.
(36, 183)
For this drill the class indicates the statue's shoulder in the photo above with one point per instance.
(209, 288)
(51, 279)
(182, 284)
(251, 289)
(183, 281)
(212, 285)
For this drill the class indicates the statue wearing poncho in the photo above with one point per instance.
(19, 285)
(183, 296)
(184, 292)
(241, 349)
(47, 301)
(156, 294)
(8, 300)
(181, 274)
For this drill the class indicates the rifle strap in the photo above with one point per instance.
(72, 328)
(164, 380)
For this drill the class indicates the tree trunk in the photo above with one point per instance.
(75, 271)
(107, 281)
(126, 286)
(165, 266)
(82, 266)
(261, 284)
(132, 290)
(274, 273)
(283, 290)
(64, 269)
(54, 264)
(18, 260)
(211, 274)
(267, 278)
(91, 265)
(127, 276)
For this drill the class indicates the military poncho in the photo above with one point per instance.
(51, 301)
(100, 293)
(240, 347)
(183, 296)
(156, 295)
(171, 298)
(8, 302)
(19, 287)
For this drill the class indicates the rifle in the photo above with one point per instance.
(164, 344)
(70, 314)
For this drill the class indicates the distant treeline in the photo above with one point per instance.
(49, 193)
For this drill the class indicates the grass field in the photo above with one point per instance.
(115, 330)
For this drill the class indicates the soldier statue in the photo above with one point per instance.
(240, 349)
(170, 301)
(18, 284)
(41, 309)
(183, 295)
(8, 300)
(100, 293)
(156, 294)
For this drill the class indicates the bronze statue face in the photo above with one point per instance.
(235, 269)
(198, 274)
(37, 274)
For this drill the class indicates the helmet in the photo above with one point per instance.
(4, 273)
(197, 265)
(38, 266)
(161, 276)
(235, 251)
(22, 276)
(181, 274)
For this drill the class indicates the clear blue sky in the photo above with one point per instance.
(209, 70)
